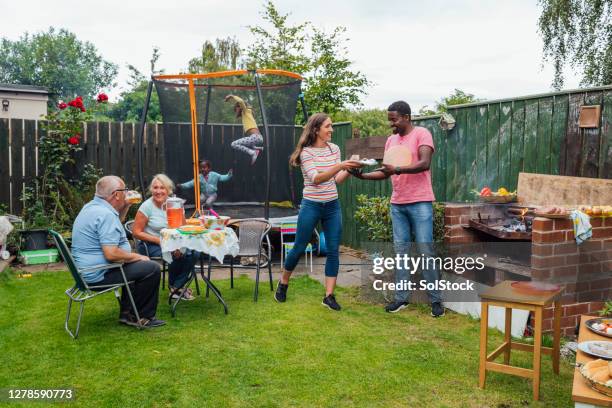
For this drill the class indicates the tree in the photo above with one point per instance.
(223, 55)
(330, 85)
(458, 97)
(131, 105)
(578, 32)
(366, 122)
(57, 60)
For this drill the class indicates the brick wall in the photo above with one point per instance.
(584, 270)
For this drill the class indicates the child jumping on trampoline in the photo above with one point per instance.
(208, 183)
(252, 142)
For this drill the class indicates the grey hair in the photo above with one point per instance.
(107, 185)
(165, 181)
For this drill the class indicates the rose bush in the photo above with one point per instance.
(46, 199)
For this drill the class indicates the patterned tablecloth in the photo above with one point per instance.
(216, 243)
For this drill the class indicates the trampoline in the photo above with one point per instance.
(200, 123)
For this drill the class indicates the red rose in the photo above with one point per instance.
(72, 103)
(82, 108)
(62, 105)
(73, 140)
(102, 97)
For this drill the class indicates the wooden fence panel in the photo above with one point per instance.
(480, 140)
(559, 124)
(116, 154)
(516, 143)
(471, 145)
(543, 140)
(493, 146)
(104, 154)
(452, 171)
(530, 141)
(30, 152)
(605, 153)
(591, 139)
(17, 163)
(5, 163)
(505, 143)
(573, 139)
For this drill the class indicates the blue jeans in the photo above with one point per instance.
(311, 212)
(180, 268)
(417, 219)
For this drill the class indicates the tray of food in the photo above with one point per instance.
(551, 212)
(501, 196)
(597, 348)
(596, 210)
(601, 326)
(598, 374)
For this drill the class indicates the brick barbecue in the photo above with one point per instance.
(584, 270)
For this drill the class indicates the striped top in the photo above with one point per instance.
(317, 160)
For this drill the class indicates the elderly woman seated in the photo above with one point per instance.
(149, 221)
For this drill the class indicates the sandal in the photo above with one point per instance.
(186, 294)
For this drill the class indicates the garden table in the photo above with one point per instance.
(583, 395)
(215, 243)
(503, 295)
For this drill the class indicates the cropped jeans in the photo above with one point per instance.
(417, 219)
(311, 212)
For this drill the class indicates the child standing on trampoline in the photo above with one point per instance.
(252, 143)
(208, 183)
(322, 170)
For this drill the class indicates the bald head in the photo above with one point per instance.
(107, 185)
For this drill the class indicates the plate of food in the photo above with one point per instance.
(597, 348)
(601, 326)
(598, 374)
(192, 229)
(368, 162)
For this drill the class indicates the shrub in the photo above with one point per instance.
(374, 217)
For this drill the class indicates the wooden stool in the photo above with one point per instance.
(503, 295)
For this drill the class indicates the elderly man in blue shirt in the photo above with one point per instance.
(98, 238)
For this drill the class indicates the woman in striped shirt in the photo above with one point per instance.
(322, 170)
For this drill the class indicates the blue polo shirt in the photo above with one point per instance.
(96, 225)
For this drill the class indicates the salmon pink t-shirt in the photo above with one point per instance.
(412, 188)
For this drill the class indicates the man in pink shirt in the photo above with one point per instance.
(411, 200)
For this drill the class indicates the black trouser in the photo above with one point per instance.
(145, 287)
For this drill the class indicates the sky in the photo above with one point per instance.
(418, 51)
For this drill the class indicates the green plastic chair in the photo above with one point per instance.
(82, 291)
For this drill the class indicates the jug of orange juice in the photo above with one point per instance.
(175, 211)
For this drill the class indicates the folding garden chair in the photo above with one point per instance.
(82, 291)
(288, 229)
(251, 235)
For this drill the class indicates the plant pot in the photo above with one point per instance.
(34, 239)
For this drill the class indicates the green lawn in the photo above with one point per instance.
(261, 354)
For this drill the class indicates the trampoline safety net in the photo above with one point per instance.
(218, 125)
